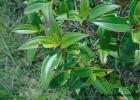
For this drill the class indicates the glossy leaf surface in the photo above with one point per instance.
(137, 57)
(33, 7)
(70, 38)
(26, 29)
(102, 72)
(112, 23)
(50, 63)
(84, 8)
(59, 80)
(47, 42)
(103, 56)
(82, 72)
(101, 9)
(127, 47)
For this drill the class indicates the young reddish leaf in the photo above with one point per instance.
(47, 42)
(33, 7)
(70, 38)
(25, 29)
(59, 80)
(51, 62)
(101, 9)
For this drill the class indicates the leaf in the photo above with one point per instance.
(92, 78)
(106, 86)
(137, 57)
(98, 85)
(127, 47)
(30, 55)
(84, 8)
(70, 38)
(34, 19)
(132, 10)
(52, 28)
(113, 50)
(25, 29)
(59, 80)
(137, 9)
(102, 72)
(103, 56)
(136, 35)
(33, 7)
(63, 8)
(86, 53)
(77, 83)
(51, 62)
(82, 71)
(105, 40)
(100, 10)
(47, 42)
(112, 23)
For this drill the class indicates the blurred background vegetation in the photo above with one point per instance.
(18, 80)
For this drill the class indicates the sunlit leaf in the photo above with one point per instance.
(112, 23)
(101, 9)
(25, 29)
(137, 57)
(70, 38)
(103, 56)
(33, 7)
(50, 63)
(47, 42)
(102, 72)
(92, 78)
(84, 8)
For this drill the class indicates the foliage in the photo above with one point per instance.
(81, 59)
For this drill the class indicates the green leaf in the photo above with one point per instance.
(137, 57)
(25, 29)
(84, 8)
(103, 56)
(100, 10)
(132, 10)
(82, 71)
(105, 40)
(137, 9)
(86, 53)
(92, 78)
(112, 23)
(33, 7)
(70, 38)
(127, 47)
(77, 83)
(59, 80)
(50, 63)
(47, 42)
(102, 72)
(34, 19)
(51, 26)
(98, 85)
(63, 8)
(113, 50)
(136, 35)
(30, 55)
(106, 86)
